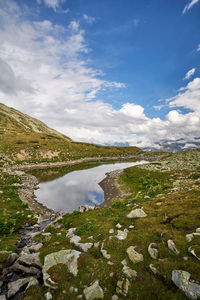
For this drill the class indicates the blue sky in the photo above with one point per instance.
(104, 71)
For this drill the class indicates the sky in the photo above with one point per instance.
(104, 71)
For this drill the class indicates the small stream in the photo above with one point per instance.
(67, 192)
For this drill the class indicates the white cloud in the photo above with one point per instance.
(89, 19)
(190, 5)
(198, 48)
(46, 75)
(51, 3)
(188, 97)
(189, 73)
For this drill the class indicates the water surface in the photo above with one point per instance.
(67, 193)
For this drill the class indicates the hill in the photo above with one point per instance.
(24, 139)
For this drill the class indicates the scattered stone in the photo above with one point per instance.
(79, 297)
(111, 231)
(70, 233)
(35, 247)
(110, 263)
(68, 257)
(30, 260)
(198, 230)
(115, 297)
(123, 287)
(129, 272)
(153, 269)
(15, 286)
(137, 213)
(121, 235)
(153, 252)
(111, 274)
(124, 262)
(2, 297)
(182, 280)
(96, 245)
(192, 251)
(172, 247)
(46, 233)
(119, 226)
(81, 246)
(93, 292)
(12, 258)
(84, 208)
(134, 256)
(131, 226)
(71, 289)
(189, 237)
(105, 254)
(48, 296)
(32, 281)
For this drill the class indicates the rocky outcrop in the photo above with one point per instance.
(183, 282)
(68, 257)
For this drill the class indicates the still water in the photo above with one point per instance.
(67, 193)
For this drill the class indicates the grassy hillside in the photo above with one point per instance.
(25, 139)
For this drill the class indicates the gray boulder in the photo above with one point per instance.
(94, 291)
(182, 280)
(68, 257)
(137, 213)
(133, 255)
(15, 286)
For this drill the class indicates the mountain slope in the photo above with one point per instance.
(24, 139)
(13, 120)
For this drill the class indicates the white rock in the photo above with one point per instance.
(131, 226)
(182, 281)
(121, 235)
(32, 281)
(198, 230)
(111, 231)
(133, 255)
(94, 291)
(153, 252)
(189, 237)
(48, 296)
(119, 226)
(70, 233)
(137, 213)
(68, 257)
(172, 247)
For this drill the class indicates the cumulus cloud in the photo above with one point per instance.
(89, 19)
(51, 3)
(190, 5)
(45, 74)
(189, 73)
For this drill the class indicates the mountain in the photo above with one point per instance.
(15, 121)
(24, 139)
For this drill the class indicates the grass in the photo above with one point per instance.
(168, 199)
(13, 213)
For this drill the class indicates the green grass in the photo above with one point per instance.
(97, 223)
(13, 213)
